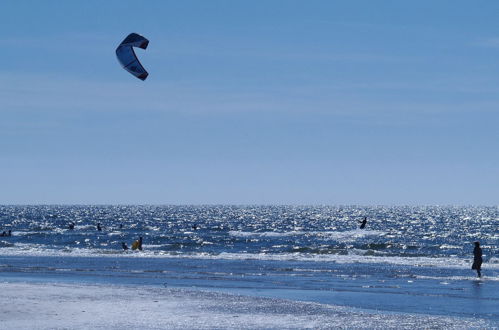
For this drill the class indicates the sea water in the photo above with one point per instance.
(407, 259)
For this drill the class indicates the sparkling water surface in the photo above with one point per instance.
(407, 259)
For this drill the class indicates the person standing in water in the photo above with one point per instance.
(137, 245)
(477, 259)
(363, 223)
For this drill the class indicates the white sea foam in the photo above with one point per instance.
(356, 256)
(115, 233)
(153, 246)
(335, 235)
(85, 227)
(25, 233)
(449, 246)
(238, 233)
(350, 234)
(459, 278)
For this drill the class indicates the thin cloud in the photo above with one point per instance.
(356, 100)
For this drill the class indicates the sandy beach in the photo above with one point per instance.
(78, 306)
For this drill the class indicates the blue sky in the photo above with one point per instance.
(251, 102)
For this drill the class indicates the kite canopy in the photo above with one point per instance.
(128, 59)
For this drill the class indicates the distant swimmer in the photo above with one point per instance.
(124, 246)
(477, 259)
(99, 228)
(363, 223)
(194, 227)
(137, 245)
(71, 226)
(6, 234)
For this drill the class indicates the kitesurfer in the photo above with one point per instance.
(71, 226)
(363, 223)
(99, 228)
(124, 246)
(477, 259)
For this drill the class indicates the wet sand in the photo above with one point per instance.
(80, 306)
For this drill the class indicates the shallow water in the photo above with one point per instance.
(408, 259)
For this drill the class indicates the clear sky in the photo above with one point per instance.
(251, 102)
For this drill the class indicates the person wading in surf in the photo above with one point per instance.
(477, 259)
(137, 245)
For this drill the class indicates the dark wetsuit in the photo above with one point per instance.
(477, 260)
(363, 223)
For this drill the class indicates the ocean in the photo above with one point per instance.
(414, 260)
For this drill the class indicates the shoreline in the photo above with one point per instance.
(44, 305)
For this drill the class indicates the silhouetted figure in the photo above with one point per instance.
(124, 246)
(137, 245)
(71, 226)
(121, 226)
(363, 223)
(194, 227)
(99, 228)
(4, 234)
(9, 233)
(477, 259)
